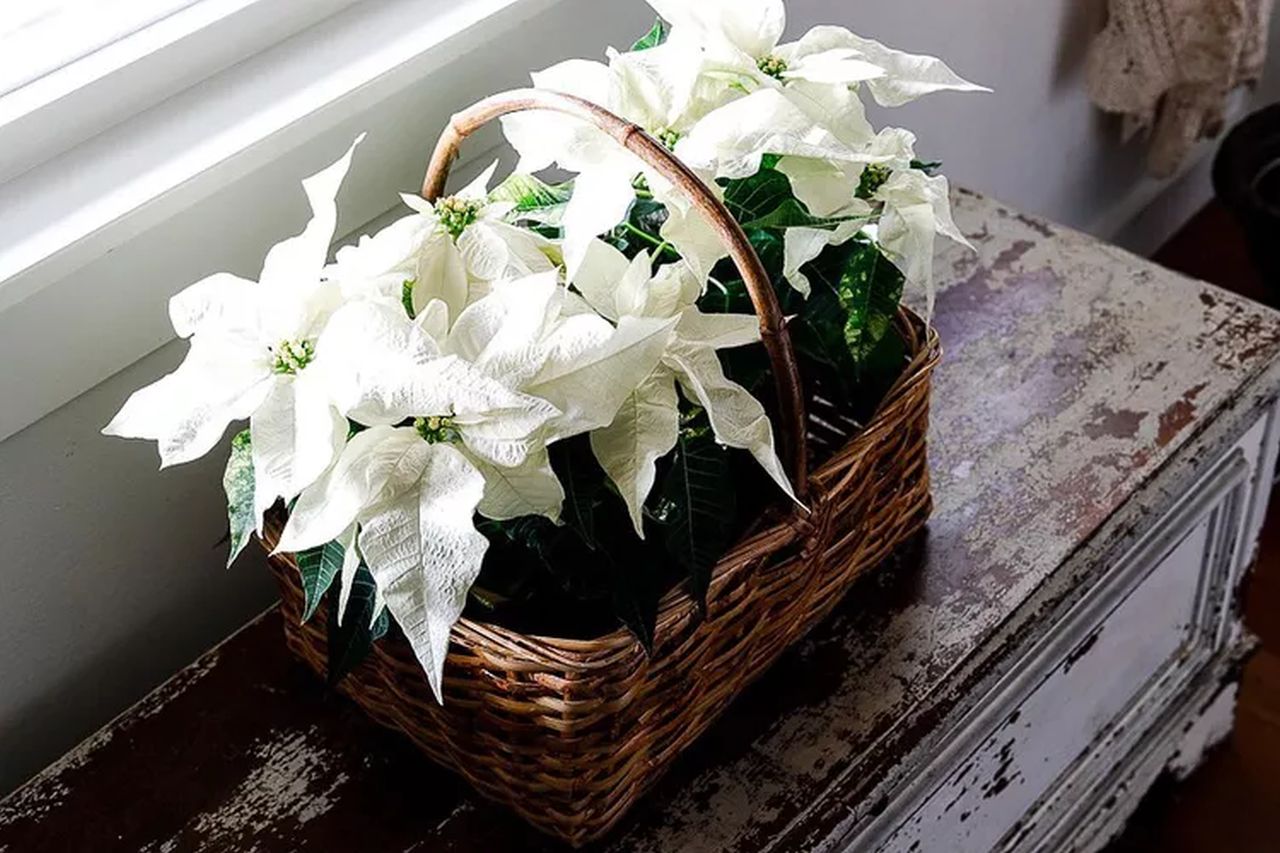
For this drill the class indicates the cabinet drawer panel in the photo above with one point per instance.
(1039, 740)
(1146, 623)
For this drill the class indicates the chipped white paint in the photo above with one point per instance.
(33, 801)
(461, 808)
(290, 785)
(1207, 730)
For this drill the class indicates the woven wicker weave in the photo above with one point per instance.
(570, 733)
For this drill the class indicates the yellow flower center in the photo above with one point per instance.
(456, 214)
(289, 357)
(772, 65)
(436, 429)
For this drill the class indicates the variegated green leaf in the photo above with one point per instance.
(870, 291)
(657, 35)
(527, 192)
(237, 482)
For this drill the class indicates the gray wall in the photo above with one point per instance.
(112, 579)
(112, 576)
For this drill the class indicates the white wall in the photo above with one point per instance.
(111, 579)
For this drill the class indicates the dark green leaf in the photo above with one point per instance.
(583, 483)
(791, 214)
(648, 216)
(640, 231)
(351, 641)
(698, 506)
(656, 36)
(876, 374)
(929, 167)
(633, 568)
(635, 595)
(818, 331)
(749, 199)
(318, 567)
(237, 482)
(527, 192)
(381, 625)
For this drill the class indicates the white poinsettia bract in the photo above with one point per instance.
(647, 424)
(252, 346)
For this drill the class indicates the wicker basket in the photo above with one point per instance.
(570, 733)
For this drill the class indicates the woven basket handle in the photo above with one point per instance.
(773, 332)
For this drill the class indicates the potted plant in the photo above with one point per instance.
(551, 471)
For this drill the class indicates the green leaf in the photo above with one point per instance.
(237, 482)
(351, 641)
(753, 198)
(635, 595)
(656, 36)
(583, 483)
(791, 214)
(870, 290)
(640, 231)
(527, 192)
(648, 216)
(381, 625)
(698, 507)
(818, 331)
(406, 295)
(318, 567)
(633, 568)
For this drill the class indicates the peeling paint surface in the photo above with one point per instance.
(1073, 375)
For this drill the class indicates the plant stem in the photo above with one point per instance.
(662, 245)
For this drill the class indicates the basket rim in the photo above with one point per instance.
(676, 604)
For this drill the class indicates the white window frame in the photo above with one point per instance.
(105, 213)
(69, 104)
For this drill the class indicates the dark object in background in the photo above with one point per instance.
(1246, 178)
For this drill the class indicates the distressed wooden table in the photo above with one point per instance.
(1102, 447)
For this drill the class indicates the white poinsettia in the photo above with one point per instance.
(449, 250)
(910, 208)
(458, 422)
(741, 40)
(802, 105)
(413, 500)
(731, 141)
(916, 207)
(647, 424)
(830, 189)
(252, 347)
(661, 90)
